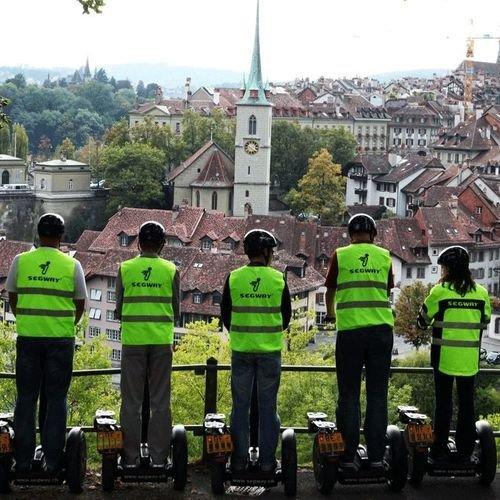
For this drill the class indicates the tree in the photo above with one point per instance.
(44, 147)
(140, 90)
(151, 90)
(118, 134)
(4, 140)
(91, 155)
(4, 119)
(19, 81)
(101, 76)
(408, 305)
(66, 149)
(19, 141)
(91, 5)
(134, 174)
(321, 190)
(340, 143)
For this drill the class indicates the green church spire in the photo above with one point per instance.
(255, 92)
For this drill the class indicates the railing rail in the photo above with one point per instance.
(211, 368)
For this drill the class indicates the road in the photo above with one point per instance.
(199, 488)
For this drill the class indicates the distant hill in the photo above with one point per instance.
(171, 78)
(419, 73)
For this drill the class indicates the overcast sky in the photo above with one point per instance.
(298, 37)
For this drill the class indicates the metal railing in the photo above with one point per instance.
(211, 369)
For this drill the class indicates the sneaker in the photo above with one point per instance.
(377, 466)
(269, 467)
(238, 464)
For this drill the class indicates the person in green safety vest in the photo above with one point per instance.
(148, 304)
(255, 309)
(47, 294)
(358, 285)
(458, 310)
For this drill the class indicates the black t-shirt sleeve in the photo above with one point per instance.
(226, 306)
(286, 306)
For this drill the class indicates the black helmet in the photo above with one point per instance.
(257, 240)
(152, 232)
(362, 223)
(454, 256)
(51, 226)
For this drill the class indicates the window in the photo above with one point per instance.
(111, 282)
(497, 325)
(214, 200)
(248, 169)
(94, 331)
(197, 196)
(206, 244)
(43, 184)
(420, 273)
(457, 157)
(196, 298)
(252, 125)
(5, 177)
(70, 185)
(247, 194)
(421, 131)
(481, 256)
(177, 128)
(480, 273)
(497, 253)
(490, 272)
(397, 131)
(434, 269)
(95, 294)
(391, 188)
(421, 142)
(409, 142)
(410, 131)
(391, 202)
(478, 238)
(116, 355)
(123, 240)
(111, 296)
(479, 210)
(381, 200)
(110, 315)
(409, 272)
(320, 299)
(94, 313)
(113, 335)
(217, 298)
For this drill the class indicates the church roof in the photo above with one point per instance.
(189, 161)
(214, 173)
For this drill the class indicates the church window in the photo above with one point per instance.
(70, 184)
(248, 169)
(252, 125)
(247, 194)
(5, 177)
(214, 200)
(43, 184)
(197, 198)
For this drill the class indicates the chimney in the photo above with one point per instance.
(479, 113)
(158, 95)
(216, 97)
(187, 89)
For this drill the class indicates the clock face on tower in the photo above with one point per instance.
(251, 147)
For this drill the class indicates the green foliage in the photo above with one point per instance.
(408, 305)
(4, 119)
(91, 155)
(293, 146)
(66, 149)
(91, 5)
(134, 174)
(14, 140)
(321, 191)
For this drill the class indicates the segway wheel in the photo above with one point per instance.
(289, 462)
(488, 452)
(325, 473)
(179, 457)
(5, 466)
(217, 477)
(417, 461)
(76, 459)
(108, 471)
(396, 458)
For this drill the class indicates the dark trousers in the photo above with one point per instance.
(50, 361)
(466, 427)
(371, 349)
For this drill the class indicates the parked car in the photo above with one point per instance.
(493, 358)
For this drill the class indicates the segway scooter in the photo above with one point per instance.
(219, 446)
(329, 445)
(110, 445)
(419, 437)
(72, 472)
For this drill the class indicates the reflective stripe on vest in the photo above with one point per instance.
(46, 289)
(147, 311)
(457, 328)
(363, 273)
(256, 320)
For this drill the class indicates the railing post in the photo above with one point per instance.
(210, 394)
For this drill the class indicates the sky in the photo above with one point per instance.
(298, 37)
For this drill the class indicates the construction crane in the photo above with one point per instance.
(469, 69)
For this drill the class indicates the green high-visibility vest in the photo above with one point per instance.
(361, 294)
(147, 312)
(256, 319)
(46, 291)
(457, 324)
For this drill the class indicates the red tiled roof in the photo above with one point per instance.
(8, 250)
(85, 240)
(214, 173)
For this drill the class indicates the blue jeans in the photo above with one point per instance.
(50, 361)
(372, 349)
(265, 369)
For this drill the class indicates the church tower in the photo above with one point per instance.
(252, 159)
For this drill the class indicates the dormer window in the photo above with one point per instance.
(206, 244)
(123, 240)
(196, 298)
(217, 298)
